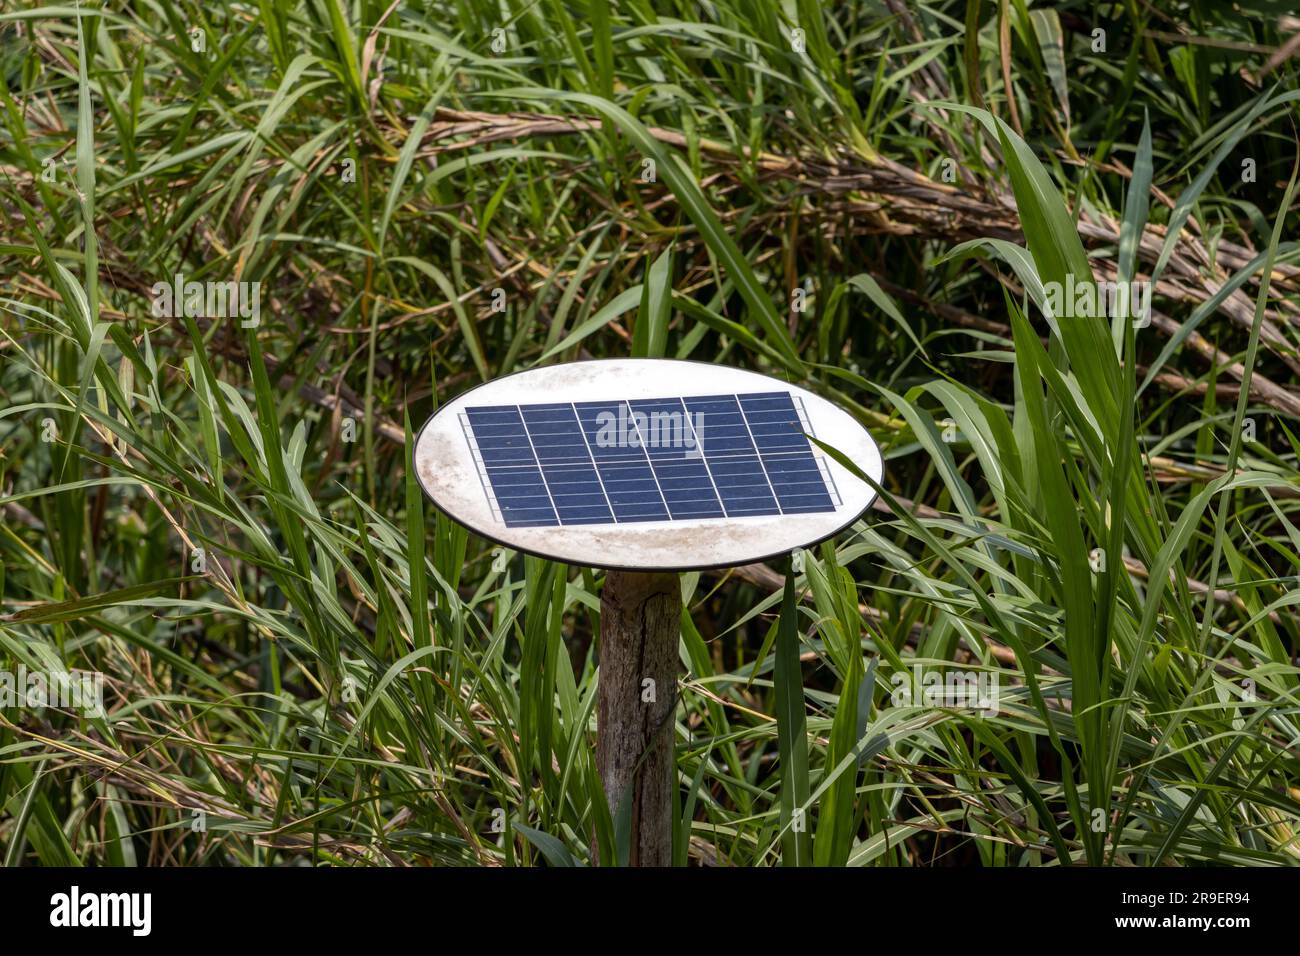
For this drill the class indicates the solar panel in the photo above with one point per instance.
(630, 463)
(627, 461)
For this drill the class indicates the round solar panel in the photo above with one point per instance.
(645, 464)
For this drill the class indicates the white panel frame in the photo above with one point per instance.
(449, 475)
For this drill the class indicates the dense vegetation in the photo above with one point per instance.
(303, 662)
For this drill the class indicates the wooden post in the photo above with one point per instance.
(640, 622)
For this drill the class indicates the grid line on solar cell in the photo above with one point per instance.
(650, 463)
(570, 475)
(548, 464)
(680, 471)
(744, 415)
(733, 457)
(478, 465)
(625, 467)
(512, 467)
(609, 504)
(533, 448)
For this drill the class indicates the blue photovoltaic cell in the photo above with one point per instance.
(674, 452)
(787, 458)
(566, 464)
(733, 459)
(618, 462)
(512, 469)
(623, 466)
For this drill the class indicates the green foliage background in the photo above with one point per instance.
(352, 679)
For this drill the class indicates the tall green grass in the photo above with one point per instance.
(305, 662)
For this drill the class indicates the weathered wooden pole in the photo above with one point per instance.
(640, 622)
